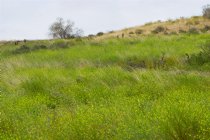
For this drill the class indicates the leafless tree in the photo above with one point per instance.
(78, 32)
(206, 11)
(64, 29)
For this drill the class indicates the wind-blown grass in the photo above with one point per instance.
(90, 90)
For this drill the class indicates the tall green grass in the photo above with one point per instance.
(97, 90)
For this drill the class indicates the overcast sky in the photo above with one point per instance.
(30, 19)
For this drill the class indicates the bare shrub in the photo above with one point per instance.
(206, 11)
(64, 29)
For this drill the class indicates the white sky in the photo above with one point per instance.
(30, 19)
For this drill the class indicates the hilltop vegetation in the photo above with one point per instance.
(182, 25)
(149, 86)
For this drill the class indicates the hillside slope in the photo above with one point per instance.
(178, 26)
(145, 87)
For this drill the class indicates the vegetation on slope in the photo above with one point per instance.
(107, 89)
(182, 25)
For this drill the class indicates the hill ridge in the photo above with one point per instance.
(182, 25)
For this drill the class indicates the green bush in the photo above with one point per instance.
(173, 33)
(134, 63)
(193, 30)
(38, 47)
(60, 44)
(182, 31)
(26, 49)
(100, 34)
(202, 57)
(22, 49)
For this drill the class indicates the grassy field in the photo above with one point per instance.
(133, 88)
